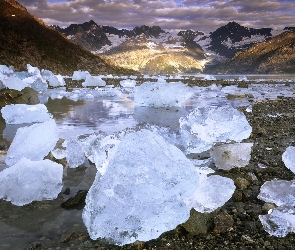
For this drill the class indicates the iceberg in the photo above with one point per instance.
(53, 81)
(128, 83)
(28, 181)
(80, 75)
(33, 142)
(228, 156)
(14, 82)
(162, 94)
(39, 85)
(288, 158)
(6, 70)
(209, 77)
(148, 179)
(23, 113)
(33, 70)
(203, 127)
(93, 81)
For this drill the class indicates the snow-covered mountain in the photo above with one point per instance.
(274, 56)
(156, 51)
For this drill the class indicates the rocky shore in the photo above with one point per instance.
(236, 224)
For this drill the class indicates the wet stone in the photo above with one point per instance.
(76, 202)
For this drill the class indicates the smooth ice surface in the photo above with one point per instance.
(213, 192)
(14, 82)
(161, 94)
(228, 156)
(74, 154)
(288, 158)
(93, 81)
(128, 83)
(205, 126)
(280, 192)
(80, 75)
(22, 113)
(280, 221)
(142, 193)
(33, 142)
(28, 181)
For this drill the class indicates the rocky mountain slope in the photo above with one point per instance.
(147, 49)
(25, 39)
(155, 51)
(275, 56)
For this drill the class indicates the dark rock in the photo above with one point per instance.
(76, 202)
(25, 96)
(199, 223)
(223, 222)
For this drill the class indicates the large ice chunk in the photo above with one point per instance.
(28, 181)
(228, 156)
(280, 192)
(74, 154)
(33, 142)
(33, 70)
(128, 83)
(280, 221)
(14, 82)
(39, 85)
(162, 94)
(22, 113)
(203, 127)
(6, 70)
(93, 81)
(213, 192)
(288, 158)
(80, 75)
(148, 180)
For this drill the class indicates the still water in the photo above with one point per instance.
(47, 222)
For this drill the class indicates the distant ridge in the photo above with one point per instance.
(274, 56)
(25, 39)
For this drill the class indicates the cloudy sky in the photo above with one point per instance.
(202, 15)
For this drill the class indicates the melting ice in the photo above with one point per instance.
(148, 180)
(205, 126)
(28, 181)
(22, 113)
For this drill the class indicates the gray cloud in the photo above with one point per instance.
(203, 15)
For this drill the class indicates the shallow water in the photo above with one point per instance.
(47, 222)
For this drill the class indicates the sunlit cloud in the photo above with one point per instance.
(202, 15)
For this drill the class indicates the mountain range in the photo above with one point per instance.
(153, 50)
(25, 39)
(231, 48)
